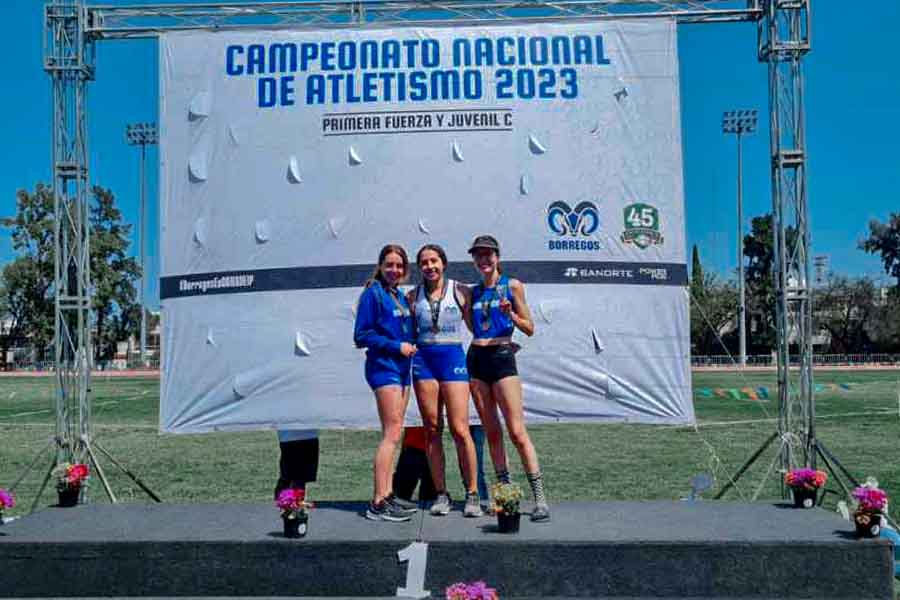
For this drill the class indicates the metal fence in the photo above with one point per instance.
(118, 364)
(821, 360)
(715, 361)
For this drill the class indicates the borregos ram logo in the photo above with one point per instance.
(574, 228)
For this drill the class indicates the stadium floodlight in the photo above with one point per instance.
(740, 122)
(143, 135)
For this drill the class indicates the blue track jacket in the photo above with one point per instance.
(379, 326)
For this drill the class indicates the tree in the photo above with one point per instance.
(884, 239)
(27, 307)
(696, 274)
(29, 279)
(884, 327)
(845, 308)
(713, 316)
(113, 276)
(759, 250)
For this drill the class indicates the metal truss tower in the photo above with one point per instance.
(783, 42)
(72, 29)
(69, 60)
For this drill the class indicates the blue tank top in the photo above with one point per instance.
(488, 321)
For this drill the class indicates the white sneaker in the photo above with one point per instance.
(441, 506)
(473, 506)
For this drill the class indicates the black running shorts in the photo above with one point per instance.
(491, 363)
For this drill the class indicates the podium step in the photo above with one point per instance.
(634, 550)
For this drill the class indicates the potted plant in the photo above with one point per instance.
(871, 504)
(294, 511)
(506, 498)
(477, 590)
(805, 484)
(7, 500)
(69, 480)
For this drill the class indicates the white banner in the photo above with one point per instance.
(289, 158)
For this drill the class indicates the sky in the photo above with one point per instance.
(853, 124)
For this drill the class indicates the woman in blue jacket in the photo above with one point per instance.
(384, 327)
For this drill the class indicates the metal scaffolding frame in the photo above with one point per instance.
(783, 42)
(69, 60)
(73, 28)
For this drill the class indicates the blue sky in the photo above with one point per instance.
(853, 122)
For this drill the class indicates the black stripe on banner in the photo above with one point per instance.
(338, 276)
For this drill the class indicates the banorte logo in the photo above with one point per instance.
(574, 225)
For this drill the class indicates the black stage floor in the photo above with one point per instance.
(704, 550)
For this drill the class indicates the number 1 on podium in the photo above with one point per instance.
(416, 554)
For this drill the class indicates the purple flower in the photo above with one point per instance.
(7, 500)
(292, 500)
(477, 590)
(870, 499)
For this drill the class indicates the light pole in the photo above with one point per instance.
(740, 122)
(143, 135)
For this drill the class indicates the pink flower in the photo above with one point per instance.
(292, 500)
(7, 500)
(805, 478)
(457, 591)
(870, 499)
(76, 474)
(477, 590)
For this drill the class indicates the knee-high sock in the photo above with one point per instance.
(536, 480)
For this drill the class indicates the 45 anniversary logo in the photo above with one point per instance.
(641, 226)
(575, 226)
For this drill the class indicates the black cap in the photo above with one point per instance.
(485, 241)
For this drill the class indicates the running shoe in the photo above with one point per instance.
(540, 513)
(386, 511)
(407, 506)
(473, 505)
(441, 506)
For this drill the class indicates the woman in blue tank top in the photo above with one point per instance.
(496, 309)
(384, 328)
(440, 376)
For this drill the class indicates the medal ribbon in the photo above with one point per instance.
(394, 293)
(434, 306)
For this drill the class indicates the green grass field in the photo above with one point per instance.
(861, 426)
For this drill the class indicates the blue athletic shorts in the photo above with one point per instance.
(443, 362)
(380, 374)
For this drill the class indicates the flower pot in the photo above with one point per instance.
(508, 523)
(69, 496)
(868, 524)
(295, 527)
(804, 498)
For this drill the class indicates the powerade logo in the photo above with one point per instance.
(573, 225)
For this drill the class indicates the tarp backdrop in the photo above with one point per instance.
(288, 158)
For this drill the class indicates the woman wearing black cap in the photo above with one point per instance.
(498, 308)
